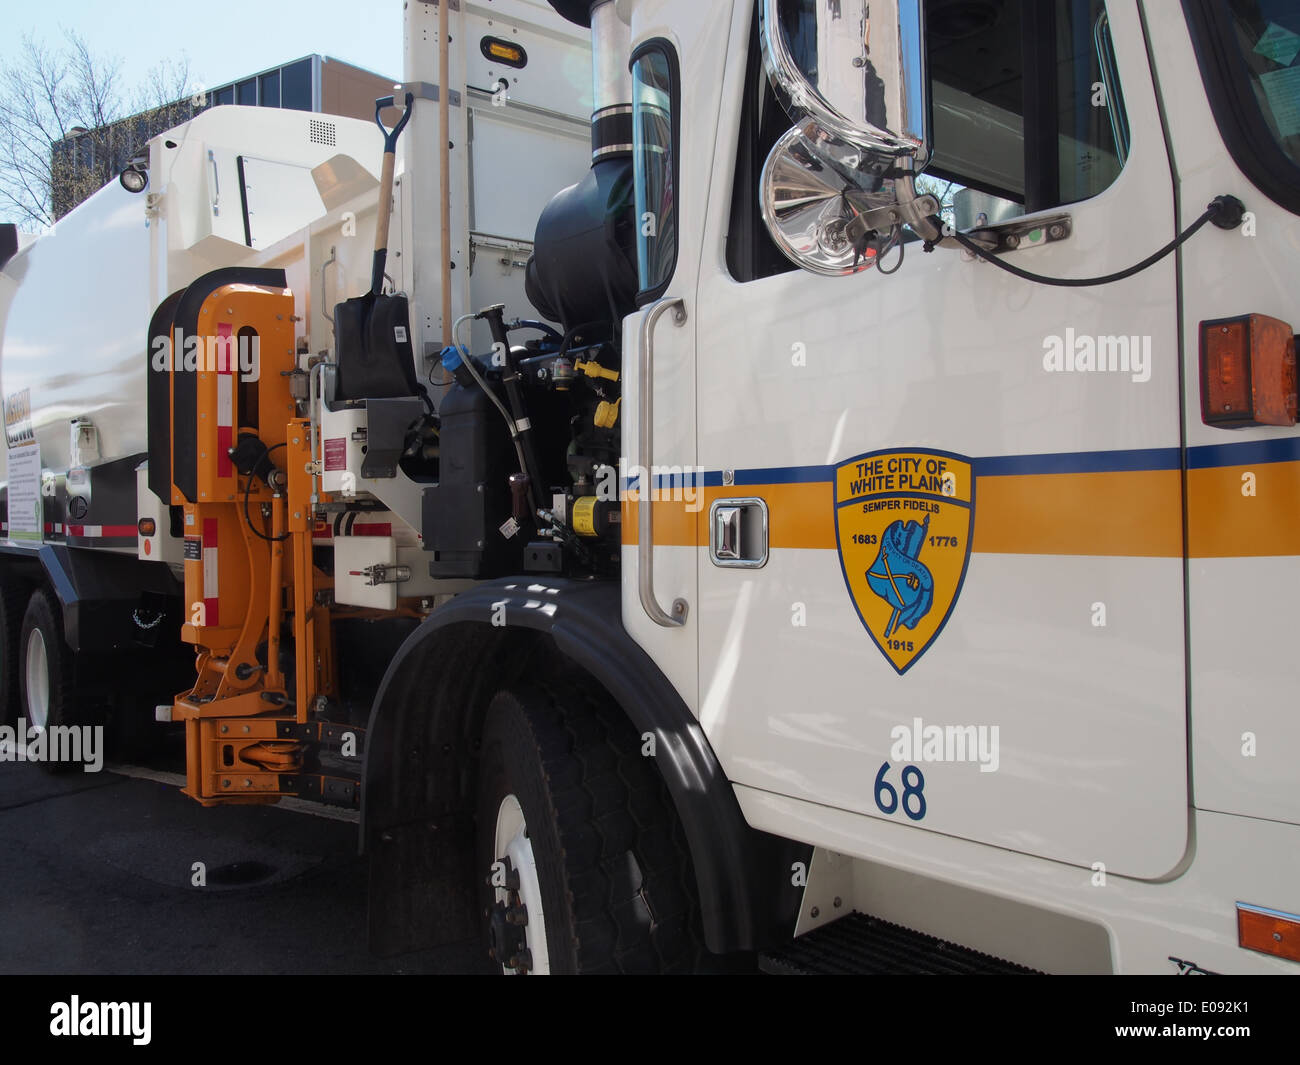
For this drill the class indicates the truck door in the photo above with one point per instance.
(941, 560)
(1243, 479)
(678, 60)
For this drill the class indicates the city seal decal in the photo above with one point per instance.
(903, 522)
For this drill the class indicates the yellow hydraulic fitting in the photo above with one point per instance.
(595, 369)
(607, 414)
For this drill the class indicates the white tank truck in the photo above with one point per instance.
(90, 550)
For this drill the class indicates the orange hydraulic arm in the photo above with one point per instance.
(250, 584)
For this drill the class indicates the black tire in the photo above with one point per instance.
(13, 603)
(614, 871)
(66, 703)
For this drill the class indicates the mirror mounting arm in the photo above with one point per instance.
(917, 213)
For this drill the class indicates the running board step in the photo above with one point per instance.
(863, 945)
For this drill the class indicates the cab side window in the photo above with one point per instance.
(655, 139)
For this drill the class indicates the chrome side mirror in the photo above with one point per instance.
(838, 187)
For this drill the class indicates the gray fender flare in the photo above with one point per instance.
(740, 872)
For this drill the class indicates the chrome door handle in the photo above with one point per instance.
(738, 533)
(645, 458)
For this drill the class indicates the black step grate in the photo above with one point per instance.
(863, 945)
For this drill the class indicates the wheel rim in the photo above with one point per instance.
(38, 681)
(513, 851)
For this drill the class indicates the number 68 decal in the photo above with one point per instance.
(913, 792)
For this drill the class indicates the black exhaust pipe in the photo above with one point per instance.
(583, 266)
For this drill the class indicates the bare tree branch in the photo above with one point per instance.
(67, 125)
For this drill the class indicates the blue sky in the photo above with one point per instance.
(222, 40)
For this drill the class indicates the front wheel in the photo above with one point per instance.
(584, 863)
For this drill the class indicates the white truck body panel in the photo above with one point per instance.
(262, 187)
(78, 347)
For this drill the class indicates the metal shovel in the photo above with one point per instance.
(372, 332)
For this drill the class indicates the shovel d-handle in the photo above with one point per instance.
(391, 135)
(386, 186)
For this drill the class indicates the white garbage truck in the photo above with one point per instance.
(793, 482)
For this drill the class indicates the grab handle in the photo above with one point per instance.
(645, 435)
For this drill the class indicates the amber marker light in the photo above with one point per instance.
(1247, 372)
(1268, 931)
(147, 527)
(503, 52)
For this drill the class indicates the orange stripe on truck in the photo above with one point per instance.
(1130, 513)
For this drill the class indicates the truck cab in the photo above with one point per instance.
(966, 595)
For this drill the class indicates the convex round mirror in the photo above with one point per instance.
(816, 214)
(837, 188)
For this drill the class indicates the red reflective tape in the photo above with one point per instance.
(98, 532)
(373, 529)
(225, 440)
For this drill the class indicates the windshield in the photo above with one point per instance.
(1268, 36)
(1249, 55)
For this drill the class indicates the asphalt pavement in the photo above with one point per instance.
(98, 876)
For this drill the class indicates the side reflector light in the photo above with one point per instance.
(1268, 931)
(147, 527)
(1248, 372)
(511, 55)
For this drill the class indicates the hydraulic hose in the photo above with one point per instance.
(473, 372)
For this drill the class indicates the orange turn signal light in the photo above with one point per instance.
(1268, 931)
(512, 55)
(1247, 372)
(147, 526)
